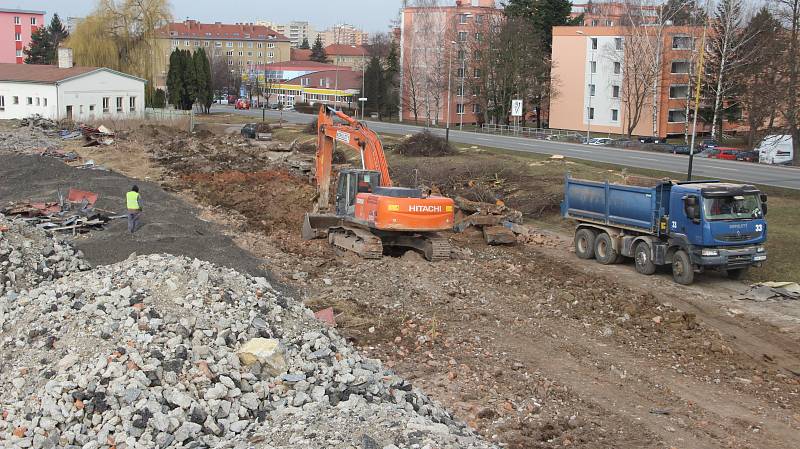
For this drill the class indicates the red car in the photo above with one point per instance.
(725, 153)
(242, 104)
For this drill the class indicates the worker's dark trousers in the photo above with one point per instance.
(133, 220)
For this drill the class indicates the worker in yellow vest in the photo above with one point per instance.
(134, 203)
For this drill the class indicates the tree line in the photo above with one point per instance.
(189, 80)
(43, 48)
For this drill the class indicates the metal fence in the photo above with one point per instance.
(170, 115)
(535, 133)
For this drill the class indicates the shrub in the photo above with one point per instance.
(425, 144)
(311, 128)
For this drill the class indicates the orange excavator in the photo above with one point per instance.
(369, 214)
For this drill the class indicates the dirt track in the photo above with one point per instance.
(527, 344)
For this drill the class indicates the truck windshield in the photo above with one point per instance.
(732, 207)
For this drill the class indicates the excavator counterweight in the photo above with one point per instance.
(368, 213)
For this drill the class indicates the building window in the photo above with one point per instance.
(459, 108)
(591, 113)
(249, 45)
(250, 54)
(106, 104)
(196, 43)
(241, 53)
(476, 108)
(460, 72)
(132, 104)
(477, 73)
(478, 36)
(609, 23)
(230, 61)
(206, 43)
(2, 103)
(617, 68)
(91, 108)
(229, 44)
(187, 43)
(270, 44)
(462, 36)
(18, 37)
(594, 43)
(249, 62)
(618, 43)
(228, 53)
(44, 100)
(16, 20)
(175, 43)
(592, 90)
(462, 54)
(476, 55)
(259, 45)
(479, 18)
(29, 101)
(676, 116)
(679, 91)
(19, 53)
(218, 44)
(270, 54)
(593, 66)
(33, 20)
(460, 91)
(681, 42)
(462, 18)
(119, 104)
(614, 115)
(14, 100)
(595, 22)
(38, 101)
(615, 91)
(241, 44)
(680, 67)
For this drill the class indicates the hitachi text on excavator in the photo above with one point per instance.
(369, 214)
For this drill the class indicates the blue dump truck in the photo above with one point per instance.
(692, 226)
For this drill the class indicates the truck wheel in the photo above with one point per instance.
(737, 273)
(584, 243)
(644, 259)
(604, 251)
(682, 270)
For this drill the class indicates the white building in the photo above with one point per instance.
(296, 31)
(68, 92)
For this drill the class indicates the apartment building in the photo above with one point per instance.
(343, 34)
(242, 46)
(615, 13)
(16, 27)
(591, 71)
(428, 55)
(353, 56)
(296, 31)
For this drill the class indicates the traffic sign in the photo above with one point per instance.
(516, 108)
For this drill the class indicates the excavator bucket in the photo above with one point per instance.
(315, 226)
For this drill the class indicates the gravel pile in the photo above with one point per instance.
(25, 140)
(166, 351)
(28, 256)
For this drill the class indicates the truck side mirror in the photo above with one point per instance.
(763, 197)
(764, 209)
(692, 209)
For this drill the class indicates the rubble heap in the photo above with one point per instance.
(164, 351)
(28, 256)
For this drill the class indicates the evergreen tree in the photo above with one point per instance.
(175, 86)
(189, 78)
(392, 81)
(40, 50)
(543, 15)
(305, 45)
(57, 34)
(318, 51)
(202, 69)
(374, 85)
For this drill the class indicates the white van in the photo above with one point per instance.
(775, 149)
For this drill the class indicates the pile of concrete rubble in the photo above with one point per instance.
(164, 351)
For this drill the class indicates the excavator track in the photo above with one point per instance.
(356, 240)
(439, 248)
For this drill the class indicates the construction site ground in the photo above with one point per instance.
(527, 344)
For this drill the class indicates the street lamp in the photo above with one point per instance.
(591, 83)
(449, 101)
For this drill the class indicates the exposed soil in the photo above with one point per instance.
(527, 344)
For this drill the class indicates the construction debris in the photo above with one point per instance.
(499, 235)
(97, 136)
(500, 223)
(766, 291)
(39, 122)
(75, 213)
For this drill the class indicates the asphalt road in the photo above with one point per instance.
(747, 172)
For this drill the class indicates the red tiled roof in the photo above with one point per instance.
(345, 50)
(299, 54)
(241, 31)
(48, 74)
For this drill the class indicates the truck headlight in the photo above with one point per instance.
(709, 253)
(760, 249)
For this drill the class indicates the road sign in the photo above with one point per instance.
(516, 108)
(362, 99)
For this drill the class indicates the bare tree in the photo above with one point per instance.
(789, 13)
(726, 56)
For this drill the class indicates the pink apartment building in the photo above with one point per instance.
(16, 27)
(433, 42)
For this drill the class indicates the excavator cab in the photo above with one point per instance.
(351, 183)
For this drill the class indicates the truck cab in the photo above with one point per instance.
(719, 224)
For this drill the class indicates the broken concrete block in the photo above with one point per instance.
(499, 235)
(267, 351)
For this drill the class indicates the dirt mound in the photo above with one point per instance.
(425, 144)
(311, 128)
(479, 181)
(271, 200)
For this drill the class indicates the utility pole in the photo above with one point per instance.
(463, 75)
(696, 102)
(449, 76)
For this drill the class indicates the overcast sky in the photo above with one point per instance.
(371, 15)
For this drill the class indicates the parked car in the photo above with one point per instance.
(708, 143)
(747, 156)
(680, 149)
(288, 107)
(650, 139)
(775, 149)
(598, 141)
(242, 104)
(622, 143)
(726, 153)
(709, 153)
